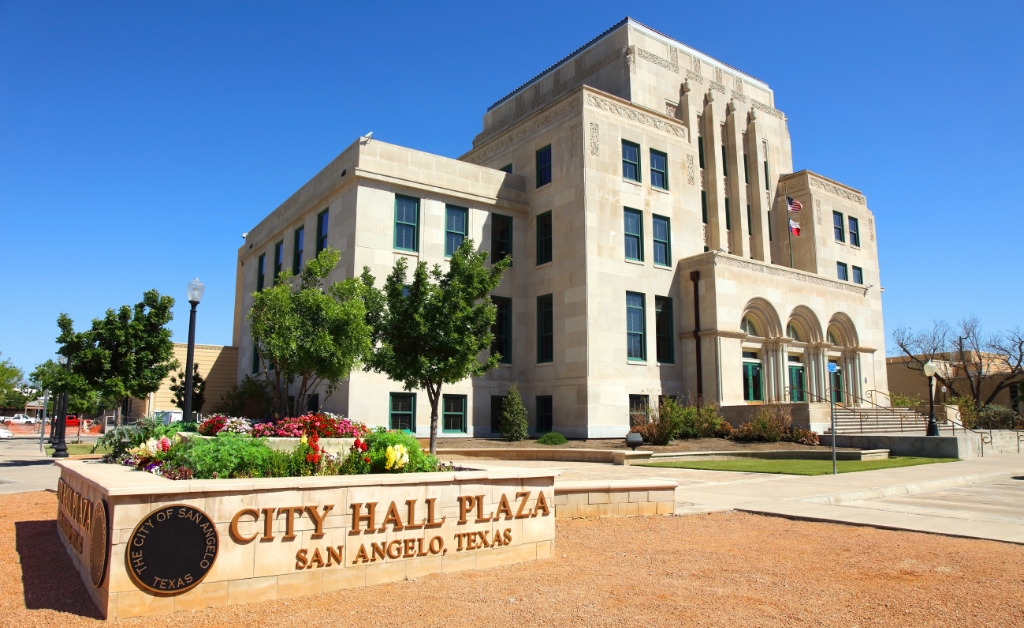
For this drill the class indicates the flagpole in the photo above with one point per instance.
(789, 228)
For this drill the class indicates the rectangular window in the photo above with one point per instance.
(502, 330)
(507, 168)
(313, 403)
(407, 221)
(496, 403)
(403, 411)
(858, 275)
(728, 216)
(545, 328)
(255, 359)
(842, 271)
(854, 230)
(750, 224)
(630, 161)
(837, 227)
(278, 259)
(767, 181)
(663, 329)
(634, 232)
(455, 226)
(636, 345)
(704, 206)
(321, 231)
(797, 383)
(662, 245)
(639, 410)
(544, 238)
(261, 272)
(700, 151)
(453, 413)
(753, 389)
(501, 237)
(659, 169)
(298, 244)
(544, 166)
(545, 414)
(725, 162)
(770, 237)
(746, 171)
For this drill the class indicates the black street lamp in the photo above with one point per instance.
(60, 448)
(195, 293)
(933, 426)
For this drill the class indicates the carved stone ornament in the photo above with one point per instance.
(718, 87)
(838, 191)
(637, 116)
(630, 60)
(765, 108)
(739, 96)
(673, 55)
(689, 169)
(574, 140)
(817, 211)
(693, 76)
(718, 75)
(696, 65)
(530, 126)
(594, 138)
(670, 109)
(871, 228)
(656, 60)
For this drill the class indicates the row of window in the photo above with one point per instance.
(725, 163)
(842, 270)
(298, 247)
(753, 381)
(633, 228)
(402, 413)
(631, 166)
(456, 228)
(839, 231)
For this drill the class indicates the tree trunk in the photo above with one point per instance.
(433, 396)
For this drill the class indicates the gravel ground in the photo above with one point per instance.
(696, 444)
(725, 569)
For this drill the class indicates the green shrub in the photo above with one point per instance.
(121, 439)
(388, 452)
(513, 421)
(552, 438)
(252, 398)
(769, 424)
(899, 400)
(995, 416)
(231, 455)
(700, 421)
(658, 426)
(968, 410)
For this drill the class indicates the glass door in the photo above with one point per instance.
(797, 383)
(836, 384)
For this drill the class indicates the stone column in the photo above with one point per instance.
(737, 192)
(758, 205)
(712, 134)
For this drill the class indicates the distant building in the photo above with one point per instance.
(637, 183)
(217, 365)
(909, 382)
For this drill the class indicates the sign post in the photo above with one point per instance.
(832, 406)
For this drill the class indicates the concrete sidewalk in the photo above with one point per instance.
(24, 468)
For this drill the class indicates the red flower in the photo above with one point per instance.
(366, 460)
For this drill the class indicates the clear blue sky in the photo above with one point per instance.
(139, 140)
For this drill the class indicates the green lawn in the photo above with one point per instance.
(798, 467)
(77, 450)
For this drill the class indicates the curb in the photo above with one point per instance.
(836, 499)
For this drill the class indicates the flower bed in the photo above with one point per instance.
(232, 448)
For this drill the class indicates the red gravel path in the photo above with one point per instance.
(725, 569)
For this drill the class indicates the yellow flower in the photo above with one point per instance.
(389, 457)
(401, 456)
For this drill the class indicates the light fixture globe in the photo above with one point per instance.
(929, 368)
(195, 290)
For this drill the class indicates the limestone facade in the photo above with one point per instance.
(664, 162)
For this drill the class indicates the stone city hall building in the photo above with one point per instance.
(640, 186)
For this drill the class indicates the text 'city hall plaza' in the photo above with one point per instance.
(641, 188)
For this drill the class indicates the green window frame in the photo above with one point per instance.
(659, 170)
(854, 226)
(453, 414)
(704, 206)
(836, 383)
(639, 409)
(501, 237)
(544, 166)
(636, 327)
(545, 328)
(661, 233)
(633, 230)
(858, 275)
(456, 226)
(502, 330)
(298, 244)
(700, 151)
(402, 412)
(767, 180)
(278, 259)
(664, 343)
(750, 224)
(496, 403)
(544, 238)
(728, 216)
(261, 272)
(725, 159)
(630, 161)
(545, 414)
(407, 223)
(753, 382)
(837, 227)
(322, 225)
(746, 170)
(797, 383)
(842, 271)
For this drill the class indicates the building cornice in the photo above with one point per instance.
(480, 199)
(825, 184)
(716, 258)
(514, 132)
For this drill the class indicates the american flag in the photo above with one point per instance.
(794, 205)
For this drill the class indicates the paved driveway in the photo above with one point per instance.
(24, 468)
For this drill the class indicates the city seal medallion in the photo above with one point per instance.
(172, 549)
(99, 543)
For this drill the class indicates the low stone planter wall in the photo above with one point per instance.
(781, 454)
(145, 545)
(332, 445)
(608, 456)
(616, 498)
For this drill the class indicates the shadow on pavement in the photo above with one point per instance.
(49, 577)
(24, 463)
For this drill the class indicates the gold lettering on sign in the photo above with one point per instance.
(233, 528)
(73, 507)
(357, 518)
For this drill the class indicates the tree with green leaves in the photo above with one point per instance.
(513, 422)
(11, 384)
(53, 377)
(198, 389)
(309, 335)
(127, 353)
(430, 332)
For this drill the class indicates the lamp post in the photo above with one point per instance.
(195, 293)
(929, 371)
(60, 448)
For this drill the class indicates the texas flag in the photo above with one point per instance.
(794, 227)
(794, 205)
